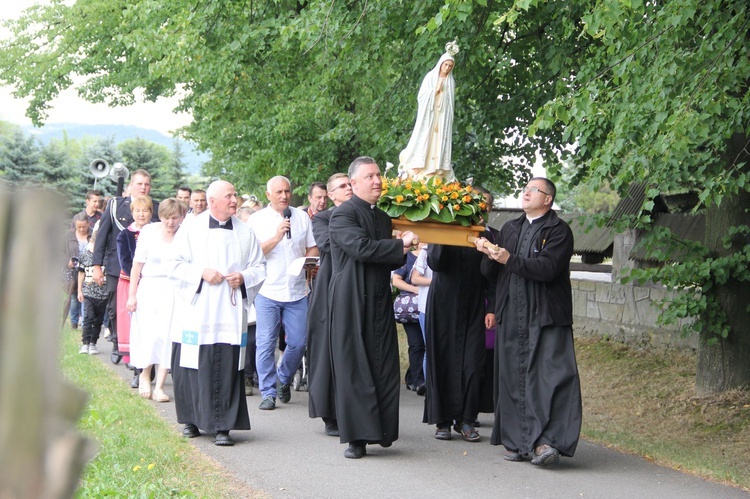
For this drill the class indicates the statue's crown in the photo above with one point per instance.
(452, 48)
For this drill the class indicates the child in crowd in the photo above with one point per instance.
(94, 298)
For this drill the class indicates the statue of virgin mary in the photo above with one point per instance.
(428, 152)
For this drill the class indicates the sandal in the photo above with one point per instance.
(160, 396)
(469, 433)
(443, 433)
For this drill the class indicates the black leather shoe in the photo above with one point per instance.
(191, 431)
(356, 450)
(332, 427)
(515, 457)
(421, 389)
(223, 439)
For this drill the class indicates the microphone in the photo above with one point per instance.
(288, 216)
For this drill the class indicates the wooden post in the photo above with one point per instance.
(41, 453)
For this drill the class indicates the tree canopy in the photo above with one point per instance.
(297, 88)
(625, 90)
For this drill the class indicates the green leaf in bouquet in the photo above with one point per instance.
(395, 211)
(443, 216)
(419, 212)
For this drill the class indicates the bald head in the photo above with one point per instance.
(222, 200)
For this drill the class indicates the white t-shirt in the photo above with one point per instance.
(279, 285)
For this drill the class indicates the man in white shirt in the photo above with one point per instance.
(285, 234)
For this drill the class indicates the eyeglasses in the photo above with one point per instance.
(534, 190)
(342, 186)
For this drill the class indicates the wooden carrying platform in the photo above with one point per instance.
(439, 233)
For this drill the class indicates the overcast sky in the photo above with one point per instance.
(69, 108)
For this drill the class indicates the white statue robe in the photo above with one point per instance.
(429, 149)
(211, 314)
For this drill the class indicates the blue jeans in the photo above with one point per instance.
(270, 314)
(75, 311)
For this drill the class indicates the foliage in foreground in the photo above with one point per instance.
(140, 455)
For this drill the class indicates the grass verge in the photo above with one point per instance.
(644, 402)
(139, 454)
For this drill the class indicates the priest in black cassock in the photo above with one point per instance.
(537, 389)
(218, 267)
(364, 347)
(322, 403)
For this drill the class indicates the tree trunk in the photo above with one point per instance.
(726, 364)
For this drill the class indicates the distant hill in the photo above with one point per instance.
(193, 159)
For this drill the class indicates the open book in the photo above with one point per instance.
(297, 265)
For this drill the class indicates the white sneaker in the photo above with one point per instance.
(84, 349)
(92, 349)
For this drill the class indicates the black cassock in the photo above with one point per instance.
(455, 334)
(319, 376)
(364, 346)
(537, 389)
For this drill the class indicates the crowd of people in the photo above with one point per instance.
(207, 286)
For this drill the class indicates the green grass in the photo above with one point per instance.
(644, 402)
(139, 454)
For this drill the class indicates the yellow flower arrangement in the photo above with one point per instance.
(431, 199)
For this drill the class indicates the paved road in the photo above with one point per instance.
(286, 455)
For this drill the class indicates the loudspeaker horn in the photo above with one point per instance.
(99, 168)
(119, 171)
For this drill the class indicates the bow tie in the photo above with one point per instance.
(214, 224)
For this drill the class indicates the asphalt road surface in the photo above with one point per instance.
(287, 455)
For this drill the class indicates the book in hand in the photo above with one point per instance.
(297, 265)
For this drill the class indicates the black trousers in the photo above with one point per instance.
(112, 281)
(250, 352)
(415, 374)
(92, 320)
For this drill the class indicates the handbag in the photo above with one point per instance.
(405, 307)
